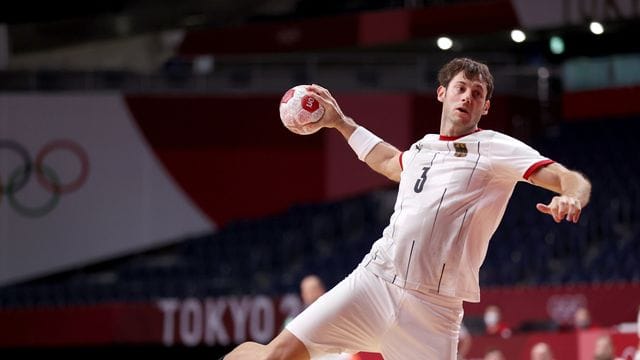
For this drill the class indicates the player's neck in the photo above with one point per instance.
(451, 131)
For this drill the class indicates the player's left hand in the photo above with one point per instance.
(562, 207)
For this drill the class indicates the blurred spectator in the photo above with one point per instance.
(604, 349)
(541, 351)
(582, 319)
(464, 342)
(494, 354)
(311, 288)
(493, 322)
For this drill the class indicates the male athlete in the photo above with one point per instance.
(405, 298)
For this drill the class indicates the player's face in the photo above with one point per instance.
(464, 102)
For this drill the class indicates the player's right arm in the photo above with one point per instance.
(384, 158)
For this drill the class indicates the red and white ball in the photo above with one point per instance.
(299, 109)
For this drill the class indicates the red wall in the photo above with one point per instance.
(602, 103)
(231, 154)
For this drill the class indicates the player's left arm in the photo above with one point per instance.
(573, 189)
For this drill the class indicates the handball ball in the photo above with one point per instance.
(299, 108)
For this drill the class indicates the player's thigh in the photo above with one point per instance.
(427, 328)
(350, 317)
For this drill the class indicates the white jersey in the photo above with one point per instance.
(452, 195)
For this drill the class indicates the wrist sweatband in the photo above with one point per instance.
(362, 142)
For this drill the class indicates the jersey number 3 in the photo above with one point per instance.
(421, 180)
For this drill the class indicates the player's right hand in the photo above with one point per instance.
(333, 116)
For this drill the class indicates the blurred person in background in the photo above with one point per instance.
(494, 354)
(604, 349)
(311, 288)
(405, 299)
(464, 342)
(541, 351)
(582, 319)
(493, 322)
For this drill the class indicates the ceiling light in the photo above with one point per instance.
(518, 36)
(444, 43)
(556, 45)
(596, 28)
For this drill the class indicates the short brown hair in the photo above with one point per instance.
(473, 70)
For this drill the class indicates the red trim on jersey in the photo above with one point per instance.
(535, 167)
(401, 167)
(451, 138)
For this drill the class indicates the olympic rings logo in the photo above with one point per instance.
(46, 176)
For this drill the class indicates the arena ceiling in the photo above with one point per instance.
(35, 25)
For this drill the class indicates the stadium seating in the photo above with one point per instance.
(271, 255)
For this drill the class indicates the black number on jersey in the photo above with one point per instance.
(420, 182)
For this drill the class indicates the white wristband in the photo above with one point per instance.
(362, 142)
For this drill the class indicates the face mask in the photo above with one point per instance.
(491, 318)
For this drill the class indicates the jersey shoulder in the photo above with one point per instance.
(423, 141)
(499, 140)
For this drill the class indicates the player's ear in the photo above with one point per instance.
(487, 105)
(441, 92)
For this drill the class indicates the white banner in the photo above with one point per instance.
(226, 320)
(79, 184)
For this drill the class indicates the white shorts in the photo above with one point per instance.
(366, 313)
